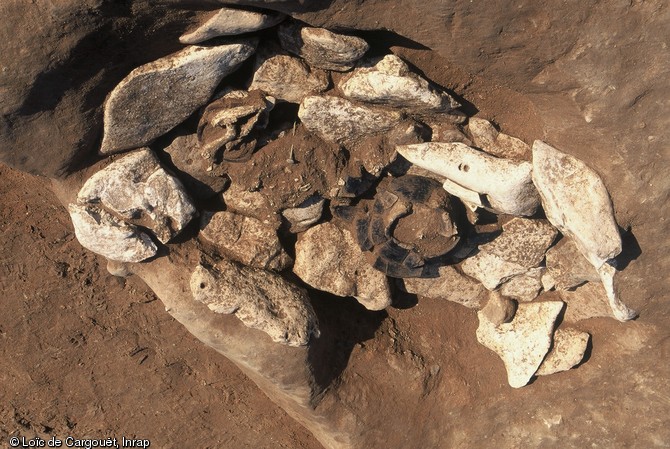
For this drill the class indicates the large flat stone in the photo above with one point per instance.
(576, 201)
(156, 97)
(329, 259)
(567, 267)
(389, 81)
(524, 241)
(450, 285)
(522, 343)
(244, 239)
(506, 185)
(338, 120)
(260, 299)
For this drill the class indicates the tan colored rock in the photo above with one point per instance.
(338, 120)
(524, 287)
(260, 299)
(523, 241)
(390, 82)
(498, 309)
(563, 181)
(567, 267)
(490, 269)
(101, 232)
(289, 79)
(329, 259)
(156, 97)
(231, 22)
(245, 240)
(485, 136)
(523, 343)
(567, 351)
(137, 188)
(586, 301)
(322, 48)
(506, 185)
(450, 285)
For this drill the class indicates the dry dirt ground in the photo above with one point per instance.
(85, 354)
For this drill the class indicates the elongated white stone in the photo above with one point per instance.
(156, 97)
(576, 201)
(506, 184)
(230, 22)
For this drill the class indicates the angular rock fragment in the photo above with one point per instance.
(524, 287)
(390, 82)
(485, 136)
(328, 259)
(260, 299)
(498, 309)
(289, 79)
(563, 183)
(450, 285)
(567, 267)
(228, 129)
(515, 252)
(245, 240)
(231, 22)
(490, 269)
(156, 97)
(196, 171)
(339, 120)
(101, 232)
(568, 350)
(523, 241)
(322, 48)
(504, 185)
(585, 302)
(522, 343)
(137, 188)
(304, 216)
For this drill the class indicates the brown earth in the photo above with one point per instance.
(86, 354)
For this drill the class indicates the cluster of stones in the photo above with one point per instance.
(388, 192)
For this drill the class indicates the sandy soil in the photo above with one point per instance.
(85, 354)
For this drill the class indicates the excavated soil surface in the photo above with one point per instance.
(84, 353)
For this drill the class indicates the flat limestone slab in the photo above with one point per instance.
(522, 343)
(156, 97)
(230, 22)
